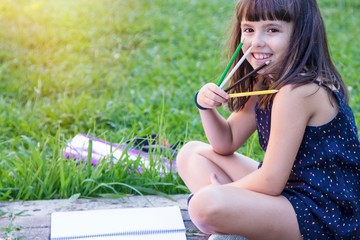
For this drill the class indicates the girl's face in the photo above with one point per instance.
(270, 41)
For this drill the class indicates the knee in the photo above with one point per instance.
(185, 154)
(205, 209)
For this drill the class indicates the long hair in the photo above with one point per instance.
(307, 59)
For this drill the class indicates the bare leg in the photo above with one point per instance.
(231, 210)
(227, 209)
(196, 161)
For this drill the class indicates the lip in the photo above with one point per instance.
(260, 56)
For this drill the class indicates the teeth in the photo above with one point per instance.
(261, 55)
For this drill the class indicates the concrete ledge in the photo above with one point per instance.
(32, 218)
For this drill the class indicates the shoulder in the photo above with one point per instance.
(297, 100)
(311, 102)
(303, 91)
(304, 94)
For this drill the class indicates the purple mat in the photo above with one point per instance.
(77, 148)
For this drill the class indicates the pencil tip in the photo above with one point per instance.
(268, 62)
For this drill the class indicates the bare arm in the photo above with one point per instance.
(287, 131)
(225, 135)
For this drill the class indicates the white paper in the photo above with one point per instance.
(68, 225)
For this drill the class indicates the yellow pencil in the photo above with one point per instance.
(245, 94)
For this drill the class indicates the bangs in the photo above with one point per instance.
(262, 10)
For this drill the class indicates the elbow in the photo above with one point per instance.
(223, 151)
(268, 189)
(274, 185)
(273, 191)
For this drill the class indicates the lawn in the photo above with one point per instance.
(118, 69)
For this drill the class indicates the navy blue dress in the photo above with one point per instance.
(324, 184)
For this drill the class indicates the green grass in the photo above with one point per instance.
(117, 69)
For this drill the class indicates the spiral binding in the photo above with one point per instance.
(127, 233)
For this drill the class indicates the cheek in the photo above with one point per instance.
(246, 46)
(285, 44)
(282, 48)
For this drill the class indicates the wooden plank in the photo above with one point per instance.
(33, 220)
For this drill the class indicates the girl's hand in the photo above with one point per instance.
(211, 96)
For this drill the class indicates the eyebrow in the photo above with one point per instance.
(266, 25)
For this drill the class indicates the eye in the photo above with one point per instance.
(273, 30)
(248, 30)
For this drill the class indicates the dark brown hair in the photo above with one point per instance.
(308, 58)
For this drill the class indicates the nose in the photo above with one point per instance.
(258, 40)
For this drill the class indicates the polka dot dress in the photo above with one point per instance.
(324, 184)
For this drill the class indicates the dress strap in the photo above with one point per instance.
(322, 84)
(334, 91)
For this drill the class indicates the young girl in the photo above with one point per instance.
(308, 184)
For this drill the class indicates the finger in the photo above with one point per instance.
(211, 96)
(211, 103)
(206, 98)
(219, 92)
(215, 96)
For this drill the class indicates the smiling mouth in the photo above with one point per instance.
(261, 56)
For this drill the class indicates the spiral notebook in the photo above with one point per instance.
(157, 223)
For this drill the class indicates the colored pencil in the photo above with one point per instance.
(247, 76)
(236, 67)
(245, 94)
(230, 63)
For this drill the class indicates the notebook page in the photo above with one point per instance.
(121, 222)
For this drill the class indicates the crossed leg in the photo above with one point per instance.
(228, 209)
